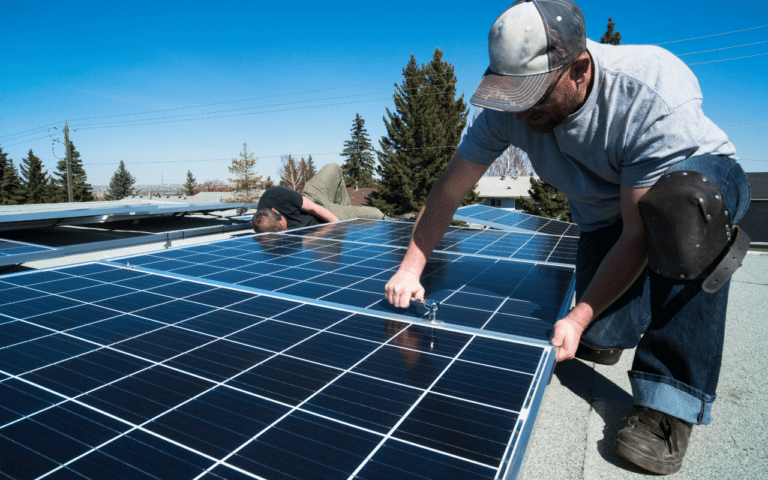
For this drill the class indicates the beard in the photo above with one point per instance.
(559, 108)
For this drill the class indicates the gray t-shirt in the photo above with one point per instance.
(642, 116)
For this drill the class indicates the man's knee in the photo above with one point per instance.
(690, 235)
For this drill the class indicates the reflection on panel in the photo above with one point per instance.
(514, 220)
(494, 294)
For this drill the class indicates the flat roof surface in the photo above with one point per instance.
(584, 404)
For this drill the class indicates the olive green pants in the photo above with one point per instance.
(327, 189)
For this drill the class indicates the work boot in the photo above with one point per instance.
(603, 356)
(653, 440)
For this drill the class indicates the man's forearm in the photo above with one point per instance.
(619, 269)
(431, 225)
(318, 211)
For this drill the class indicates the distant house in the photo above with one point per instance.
(359, 196)
(755, 221)
(503, 191)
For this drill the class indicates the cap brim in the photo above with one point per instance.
(511, 93)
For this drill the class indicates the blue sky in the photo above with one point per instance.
(172, 86)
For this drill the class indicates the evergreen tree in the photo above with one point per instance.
(11, 192)
(359, 164)
(190, 186)
(311, 169)
(81, 189)
(546, 201)
(34, 181)
(246, 182)
(121, 184)
(422, 135)
(611, 37)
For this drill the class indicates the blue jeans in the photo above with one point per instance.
(678, 328)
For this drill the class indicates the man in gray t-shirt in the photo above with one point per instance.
(655, 190)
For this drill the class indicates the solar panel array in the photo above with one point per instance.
(109, 372)
(514, 220)
(275, 356)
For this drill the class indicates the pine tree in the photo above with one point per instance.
(311, 169)
(81, 189)
(611, 37)
(34, 181)
(121, 184)
(359, 164)
(303, 172)
(11, 192)
(246, 182)
(190, 186)
(546, 201)
(422, 135)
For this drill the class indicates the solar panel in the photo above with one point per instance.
(514, 220)
(493, 294)
(12, 248)
(517, 245)
(109, 372)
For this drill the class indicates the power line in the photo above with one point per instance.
(726, 59)
(25, 141)
(746, 126)
(257, 98)
(713, 35)
(180, 118)
(718, 49)
(22, 134)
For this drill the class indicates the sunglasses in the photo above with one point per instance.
(550, 89)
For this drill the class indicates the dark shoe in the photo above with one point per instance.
(653, 440)
(603, 356)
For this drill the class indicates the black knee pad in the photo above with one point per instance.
(690, 236)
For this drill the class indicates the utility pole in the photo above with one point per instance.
(69, 161)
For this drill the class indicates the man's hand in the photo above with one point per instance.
(402, 288)
(567, 335)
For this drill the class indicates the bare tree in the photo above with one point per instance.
(291, 175)
(513, 162)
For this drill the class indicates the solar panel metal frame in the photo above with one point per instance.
(32, 216)
(512, 459)
(48, 253)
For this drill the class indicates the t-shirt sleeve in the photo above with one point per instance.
(281, 198)
(293, 197)
(486, 137)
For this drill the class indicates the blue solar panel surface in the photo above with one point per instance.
(514, 220)
(109, 372)
(10, 248)
(517, 245)
(493, 294)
